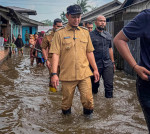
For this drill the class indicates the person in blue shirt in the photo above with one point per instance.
(103, 53)
(139, 27)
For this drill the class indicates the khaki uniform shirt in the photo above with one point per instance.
(72, 47)
(46, 42)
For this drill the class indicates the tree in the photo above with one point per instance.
(47, 22)
(83, 4)
(63, 16)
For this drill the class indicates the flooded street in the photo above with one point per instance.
(28, 107)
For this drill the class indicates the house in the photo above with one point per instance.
(26, 23)
(45, 28)
(117, 16)
(9, 22)
(107, 10)
(128, 10)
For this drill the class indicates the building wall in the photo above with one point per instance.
(134, 45)
(30, 29)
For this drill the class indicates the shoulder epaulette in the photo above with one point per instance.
(84, 27)
(60, 29)
(48, 33)
(107, 33)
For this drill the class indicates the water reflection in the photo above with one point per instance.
(27, 106)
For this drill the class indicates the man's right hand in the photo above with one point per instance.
(48, 64)
(55, 81)
(142, 72)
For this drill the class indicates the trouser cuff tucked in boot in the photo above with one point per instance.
(65, 112)
(87, 111)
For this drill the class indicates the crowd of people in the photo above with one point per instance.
(82, 55)
(79, 56)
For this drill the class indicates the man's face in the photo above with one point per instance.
(90, 27)
(73, 20)
(100, 22)
(58, 25)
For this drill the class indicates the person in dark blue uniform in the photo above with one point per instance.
(139, 27)
(102, 42)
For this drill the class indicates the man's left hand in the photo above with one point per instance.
(96, 75)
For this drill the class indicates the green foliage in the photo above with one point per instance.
(84, 5)
(47, 22)
(63, 16)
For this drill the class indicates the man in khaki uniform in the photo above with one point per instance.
(73, 49)
(46, 43)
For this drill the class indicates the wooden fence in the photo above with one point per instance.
(134, 46)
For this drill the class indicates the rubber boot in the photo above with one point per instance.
(87, 111)
(66, 112)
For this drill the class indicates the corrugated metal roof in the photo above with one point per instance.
(107, 14)
(127, 3)
(27, 20)
(100, 8)
(4, 9)
(23, 10)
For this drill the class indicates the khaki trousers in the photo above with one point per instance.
(85, 89)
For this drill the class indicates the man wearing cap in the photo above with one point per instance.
(46, 43)
(73, 49)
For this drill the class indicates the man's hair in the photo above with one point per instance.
(57, 21)
(99, 16)
(88, 22)
(19, 35)
(1, 34)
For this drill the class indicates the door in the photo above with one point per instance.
(34, 30)
(24, 32)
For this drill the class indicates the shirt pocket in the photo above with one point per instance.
(97, 44)
(108, 42)
(83, 43)
(67, 44)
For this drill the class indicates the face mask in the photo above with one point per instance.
(100, 28)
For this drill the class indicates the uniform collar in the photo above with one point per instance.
(68, 27)
(103, 34)
(52, 33)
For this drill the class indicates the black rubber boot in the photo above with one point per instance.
(66, 112)
(87, 111)
(109, 94)
(94, 91)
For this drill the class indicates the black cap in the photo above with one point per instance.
(74, 9)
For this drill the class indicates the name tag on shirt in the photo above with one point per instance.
(67, 37)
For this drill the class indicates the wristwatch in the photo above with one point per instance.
(52, 74)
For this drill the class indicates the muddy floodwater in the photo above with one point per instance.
(28, 107)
